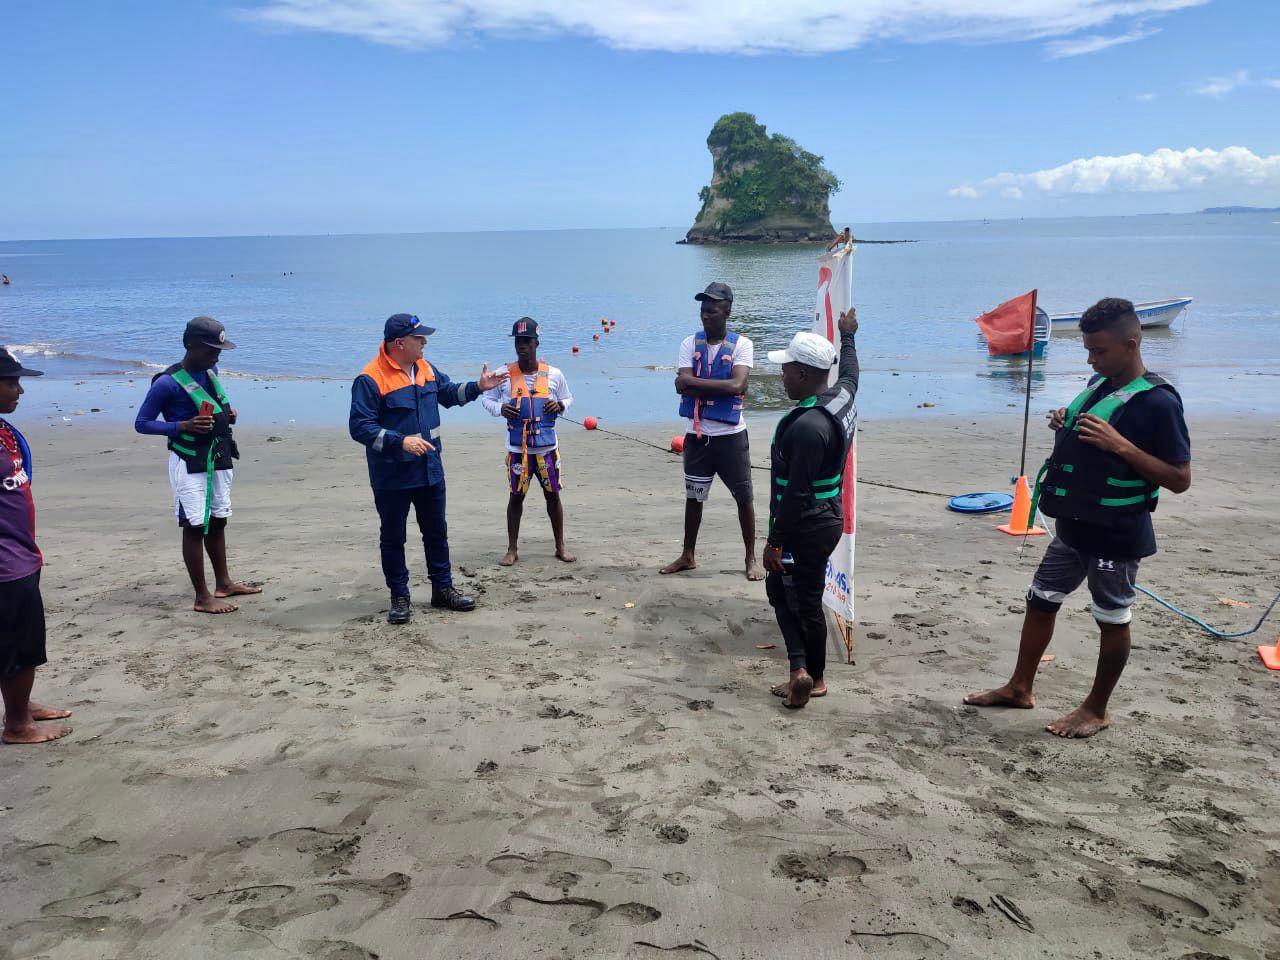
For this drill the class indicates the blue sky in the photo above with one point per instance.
(328, 116)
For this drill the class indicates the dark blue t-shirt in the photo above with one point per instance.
(167, 404)
(1153, 422)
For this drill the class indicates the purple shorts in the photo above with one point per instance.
(545, 465)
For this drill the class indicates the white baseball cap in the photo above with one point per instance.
(808, 348)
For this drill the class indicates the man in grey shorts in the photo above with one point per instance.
(1115, 447)
(713, 366)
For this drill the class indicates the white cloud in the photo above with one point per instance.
(1221, 86)
(1163, 171)
(1273, 84)
(796, 26)
(1146, 97)
(1092, 43)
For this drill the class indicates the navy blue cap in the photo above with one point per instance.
(405, 325)
(716, 291)
(525, 327)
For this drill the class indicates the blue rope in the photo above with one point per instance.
(1201, 623)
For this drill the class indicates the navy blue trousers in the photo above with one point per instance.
(393, 510)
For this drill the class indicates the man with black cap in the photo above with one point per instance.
(395, 414)
(188, 406)
(22, 627)
(531, 398)
(713, 367)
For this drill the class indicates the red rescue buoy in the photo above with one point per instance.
(677, 444)
(575, 348)
(595, 336)
(590, 423)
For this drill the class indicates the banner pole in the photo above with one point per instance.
(1026, 410)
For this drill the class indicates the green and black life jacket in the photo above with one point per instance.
(838, 404)
(1082, 482)
(203, 452)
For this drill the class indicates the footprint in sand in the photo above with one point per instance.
(47, 854)
(807, 866)
(572, 910)
(289, 908)
(552, 861)
(108, 897)
(336, 950)
(904, 944)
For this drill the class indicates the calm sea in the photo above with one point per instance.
(307, 311)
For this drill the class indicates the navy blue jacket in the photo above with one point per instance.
(387, 406)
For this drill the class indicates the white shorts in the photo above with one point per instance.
(191, 489)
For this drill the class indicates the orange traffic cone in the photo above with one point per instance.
(1020, 521)
(1270, 655)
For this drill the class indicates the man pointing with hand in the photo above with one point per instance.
(395, 414)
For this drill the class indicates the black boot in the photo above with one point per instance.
(399, 612)
(451, 599)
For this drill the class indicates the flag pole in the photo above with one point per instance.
(1026, 410)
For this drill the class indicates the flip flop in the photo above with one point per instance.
(780, 690)
(801, 688)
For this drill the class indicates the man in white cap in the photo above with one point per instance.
(806, 520)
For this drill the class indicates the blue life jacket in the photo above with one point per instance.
(535, 427)
(722, 409)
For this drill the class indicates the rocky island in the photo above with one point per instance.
(764, 189)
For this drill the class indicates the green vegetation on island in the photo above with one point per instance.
(763, 188)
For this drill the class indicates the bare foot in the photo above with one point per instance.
(509, 558)
(237, 590)
(563, 554)
(1004, 696)
(40, 712)
(213, 605)
(780, 689)
(798, 695)
(754, 570)
(32, 733)
(682, 562)
(1080, 722)
(819, 688)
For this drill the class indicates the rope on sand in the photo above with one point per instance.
(755, 466)
(1200, 623)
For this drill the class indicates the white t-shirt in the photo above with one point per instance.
(744, 355)
(492, 400)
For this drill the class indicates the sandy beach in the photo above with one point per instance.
(590, 765)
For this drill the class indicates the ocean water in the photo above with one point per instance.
(99, 316)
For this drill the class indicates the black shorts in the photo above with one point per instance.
(727, 457)
(21, 626)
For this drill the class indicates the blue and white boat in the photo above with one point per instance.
(1152, 313)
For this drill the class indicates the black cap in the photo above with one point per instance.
(525, 327)
(716, 291)
(405, 325)
(207, 331)
(10, 367)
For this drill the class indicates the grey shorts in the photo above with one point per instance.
(727, 457)
(1063, 569)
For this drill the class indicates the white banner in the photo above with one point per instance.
(835, 295)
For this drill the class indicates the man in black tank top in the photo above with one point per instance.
(806, 519)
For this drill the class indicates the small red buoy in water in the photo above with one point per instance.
(677, 444)
(604, 321)
(595, 336)
(590, 423)
(575, 348)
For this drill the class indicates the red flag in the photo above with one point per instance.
(1010, 326)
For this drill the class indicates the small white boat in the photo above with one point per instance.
(1152, 313)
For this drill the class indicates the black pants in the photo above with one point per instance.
(393, 510)
(799, 608)
(21, 626)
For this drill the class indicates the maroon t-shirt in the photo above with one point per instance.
(19, 555)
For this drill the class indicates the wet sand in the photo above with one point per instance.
(560, 774)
